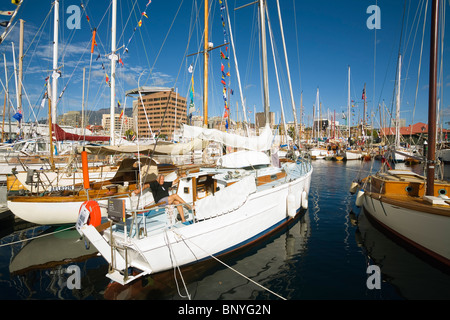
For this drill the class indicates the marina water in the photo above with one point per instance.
(330, 253)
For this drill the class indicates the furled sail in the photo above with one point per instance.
(263, 142)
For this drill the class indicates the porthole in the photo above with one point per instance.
(408, 189)
(442, 192)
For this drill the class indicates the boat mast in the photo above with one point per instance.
(262, 4)
(20, 64)
(288, 74)
(432, 99)
(205, 68)
(397, 113)
(348, 104)
(55, 74)
(113, 58)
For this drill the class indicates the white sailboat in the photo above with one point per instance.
(397, 152)
(61, 206)
(407, 205)
(241, 200)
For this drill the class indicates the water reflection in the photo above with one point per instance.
(38, 267)
(413, 277)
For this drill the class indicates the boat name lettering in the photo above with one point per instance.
(61, 188)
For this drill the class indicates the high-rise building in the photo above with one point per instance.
(156, 114)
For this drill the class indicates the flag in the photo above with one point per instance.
(16, 2)
(18, 116)
(364, 94)
(6, 13)
(144, 14)
(191, 68)
(97, 57)
(121, 62)
(121, 113)
(4, 23)
(223, 82)
(107, 78)
(140, 23)
(222, 56)
(222, 67)
(93, 40)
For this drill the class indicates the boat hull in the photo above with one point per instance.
(264, 212)
(428, 232)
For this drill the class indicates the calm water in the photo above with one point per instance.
(323, 256)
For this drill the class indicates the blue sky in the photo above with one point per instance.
(323, 38)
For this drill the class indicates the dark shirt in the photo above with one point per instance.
(160, 191)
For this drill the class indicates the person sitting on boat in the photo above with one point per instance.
(160, 191)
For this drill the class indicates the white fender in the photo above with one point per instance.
(304, 200)
(291, 209)
(353, 187)
(359, 198)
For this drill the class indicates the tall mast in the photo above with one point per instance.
(20, 64)
(348, 104)
(288, 73)
(262, 4)
(205, 67)
(432, 99)
(55, 74)
(397, 99)
(113, 58)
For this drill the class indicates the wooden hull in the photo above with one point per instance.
(396, 202)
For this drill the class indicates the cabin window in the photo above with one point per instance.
(442, 192)
(408, 189)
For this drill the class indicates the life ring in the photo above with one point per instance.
(95, 214)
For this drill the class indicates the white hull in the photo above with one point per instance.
(353, 155)
(263, 212)
(66, 212)
(444, 154)
(426, 231)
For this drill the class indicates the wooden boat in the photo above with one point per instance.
(233, 204)
(410, 206)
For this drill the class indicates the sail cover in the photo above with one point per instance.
(262, 142)
(226, 200)
(61, 135)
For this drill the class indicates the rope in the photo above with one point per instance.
(32, 238)
(232, 269)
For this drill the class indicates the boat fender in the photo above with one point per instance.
(304, 200)
(291, 210)
(359, 198)
(95, 214)
(353, 187)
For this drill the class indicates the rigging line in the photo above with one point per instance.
(167, 35)
(412, 46)
(126, 23)
(399, 52)
(420, 60)
(172, 258)
(296, 40)
(231, 268)
(32, 238)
